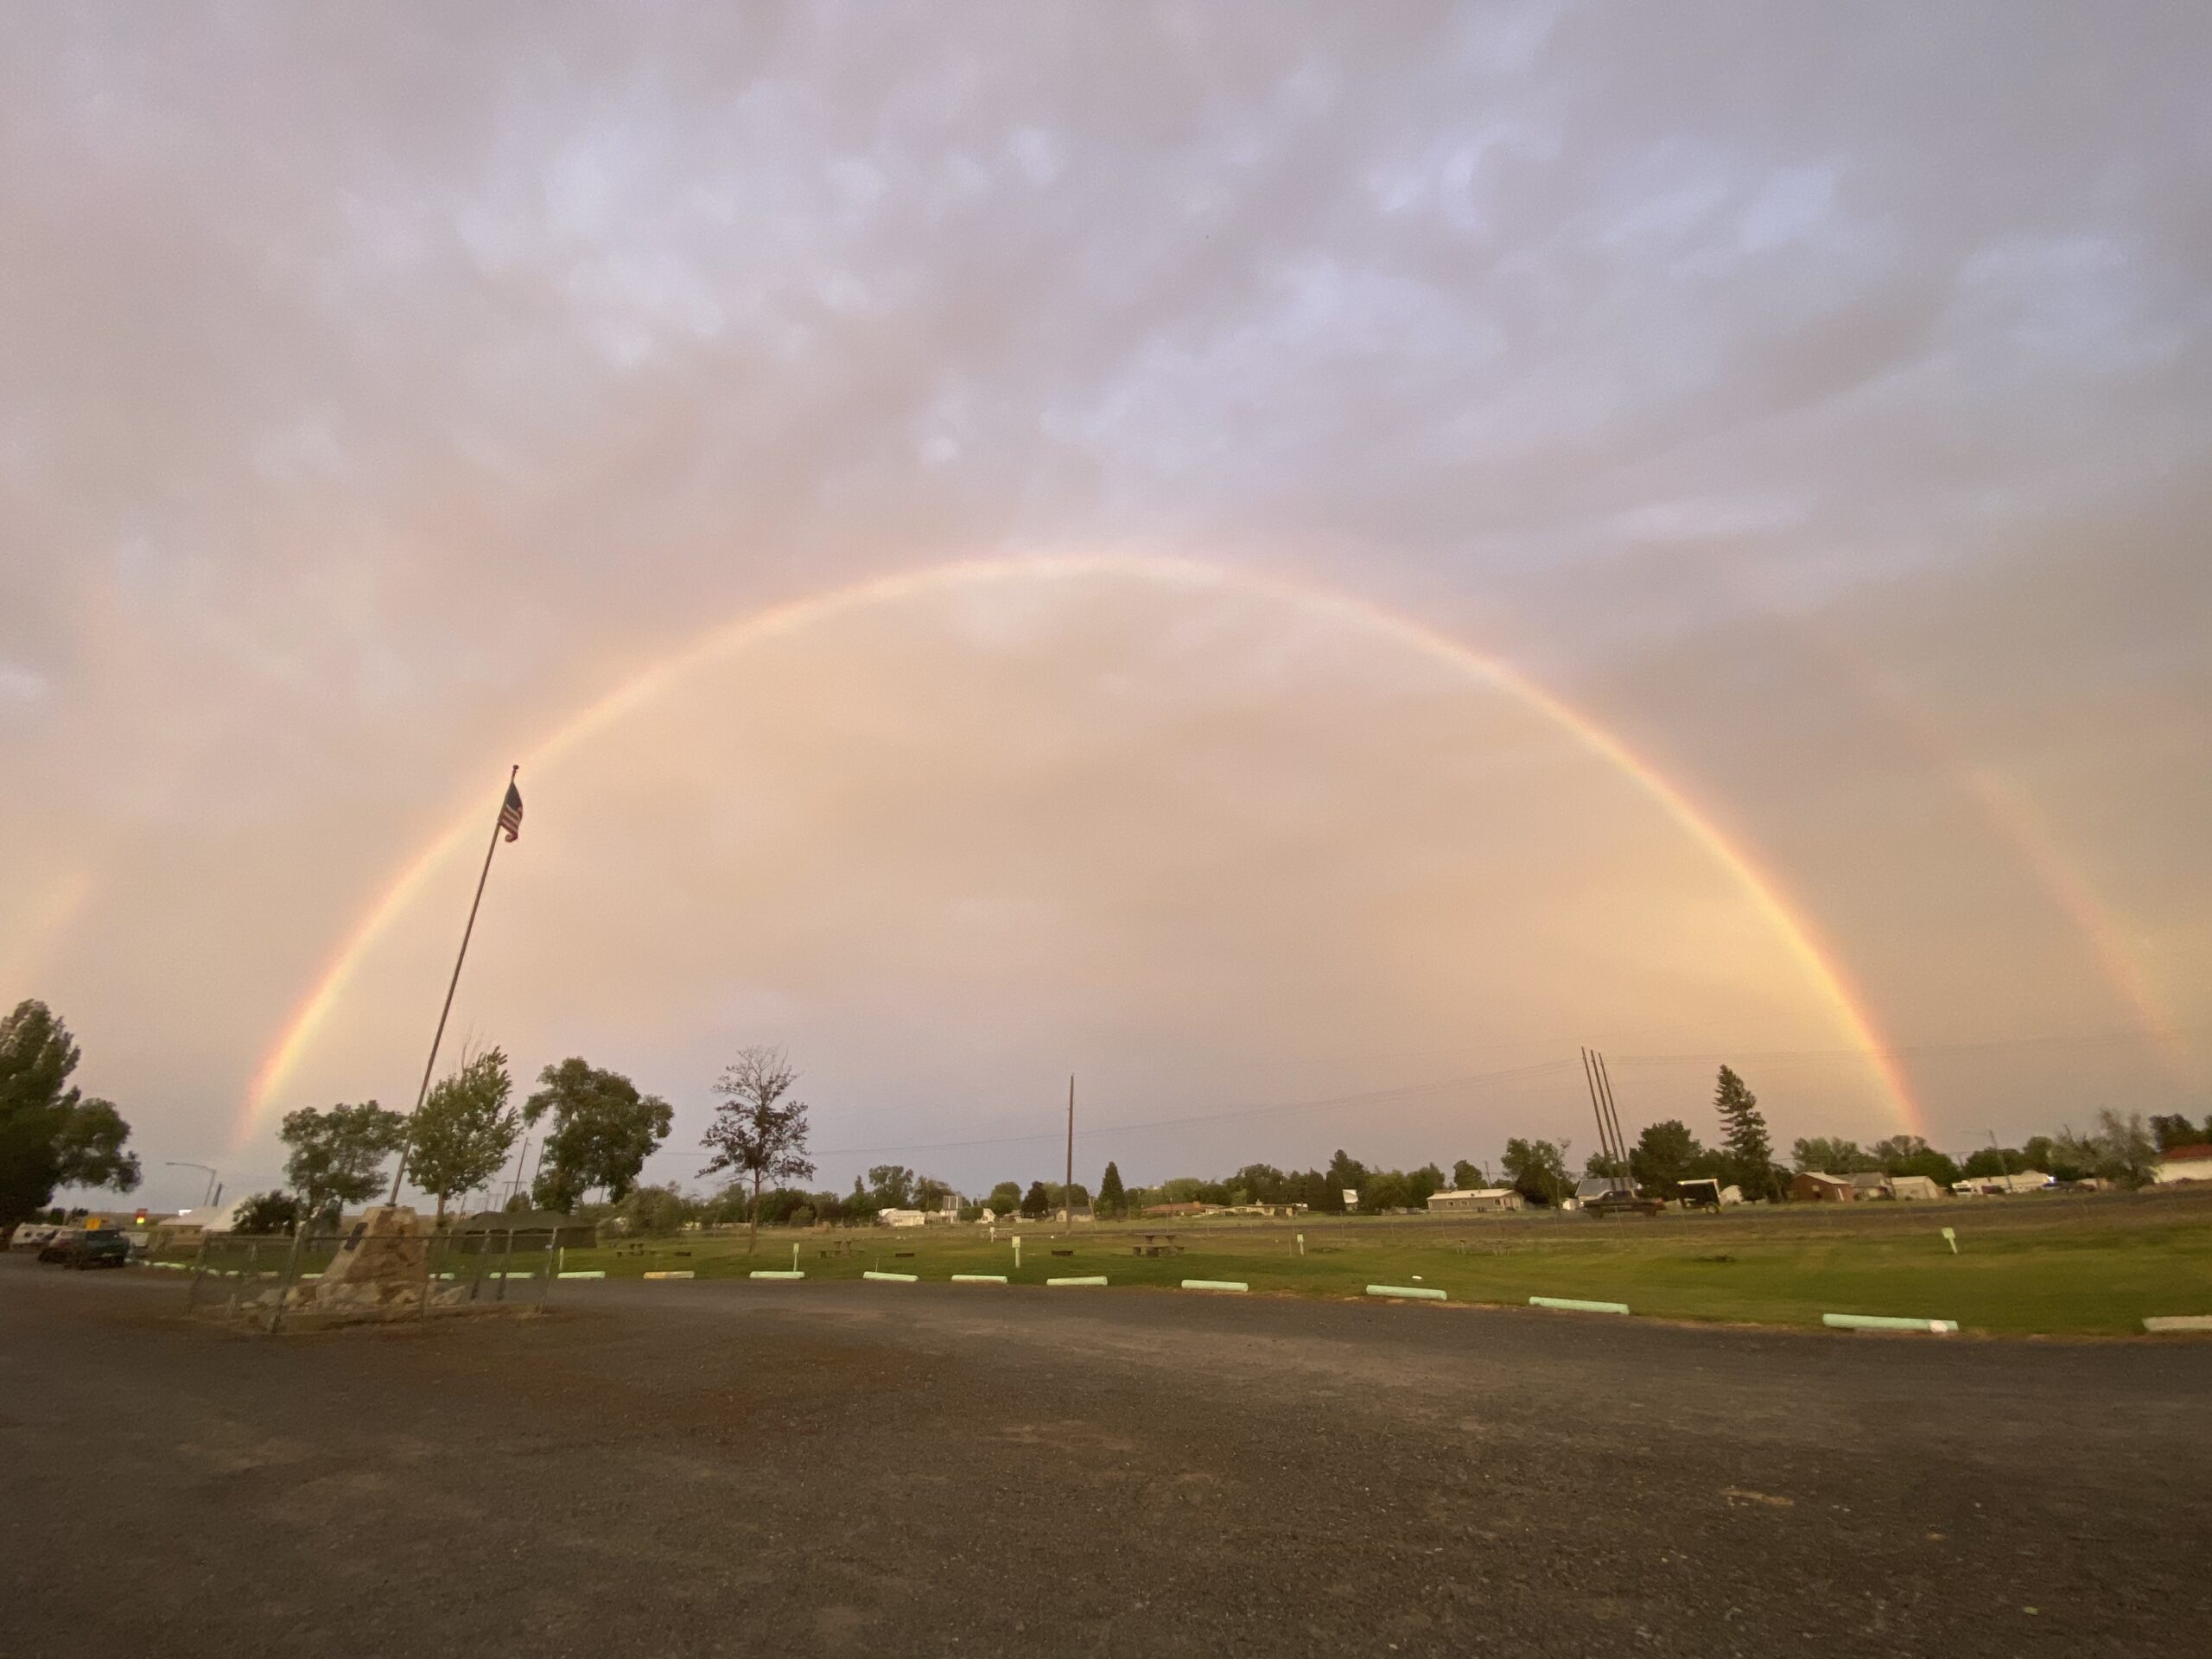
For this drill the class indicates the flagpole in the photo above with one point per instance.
(453, 985)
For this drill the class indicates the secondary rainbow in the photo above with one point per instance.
(315, 1009)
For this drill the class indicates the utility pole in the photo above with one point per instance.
(1067, 1184)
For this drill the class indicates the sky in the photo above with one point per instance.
(1295, 563)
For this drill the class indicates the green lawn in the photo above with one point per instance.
(2025, 1266)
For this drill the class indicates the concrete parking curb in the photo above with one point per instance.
(1215, 1284)
(2180, 1322)
(979, 1278)
(677, 1272)
(596, 1273)
(1882, 1322)
(1568, 1304)
(1420, 1293)
(775, 1272)
(893, 1278)
(1098, 1279)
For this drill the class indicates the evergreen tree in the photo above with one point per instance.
(1743, 1135)
(1112, 1199)
(1036, 1203)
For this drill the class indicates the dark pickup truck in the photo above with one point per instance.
(105, 1247)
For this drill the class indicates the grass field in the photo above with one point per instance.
(2031, 1265)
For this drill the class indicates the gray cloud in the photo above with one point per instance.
(1814, 396)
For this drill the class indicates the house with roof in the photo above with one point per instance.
(1465, 1200)
(2188, 1163)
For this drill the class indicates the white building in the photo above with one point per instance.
(1487, 1197)
(2190, 1163)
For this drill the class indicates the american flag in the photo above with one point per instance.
(511, 812)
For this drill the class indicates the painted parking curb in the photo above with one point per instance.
(596, 1273)
(2180, 1322)
(1215, 1284)
(675, 1273)
(1099, 1280)
(893, 1278)
(1882, 1322)
(1421, 1292)
(1571, 1305)
(775, 1272)
(979, 1278)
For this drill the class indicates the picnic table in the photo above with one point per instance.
(1156, 1244)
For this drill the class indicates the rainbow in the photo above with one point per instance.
(315, 1009)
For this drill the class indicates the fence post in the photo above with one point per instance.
(507, 1262)
(199, 1272)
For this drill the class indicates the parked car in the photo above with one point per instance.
(107, 1246)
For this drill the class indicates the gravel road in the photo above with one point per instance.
(727, 1468)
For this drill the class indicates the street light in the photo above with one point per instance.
(183, 1163)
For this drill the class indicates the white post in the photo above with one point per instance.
(1017, 1251)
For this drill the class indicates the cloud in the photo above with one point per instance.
(380, 385)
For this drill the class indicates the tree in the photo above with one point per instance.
(1005, 1199)
(1036, 1203)
(1537, 1169)
(50, 1135)
(1423, 1181)
(2124, 1151)
(1909, 1155)
(2065, 1156)
(1744, 1140)
(338, 1155)
(265, 1213)
(1113, 1200)
(460, 1136)
(655, 1209)
(2173, 1131)
(1468, 1176)
(1598, 1163)
(1993, 1161)
(1664, 1156)
(1346, 1174)
(1831, 1157)
(892, 1186)
(756, 1132)
(603, 1131)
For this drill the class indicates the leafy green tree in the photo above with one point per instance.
(929, 1193)
(265, 1213)
(2175, 1130)
(337, 1156)
(2065, 1156)
(1422, 1182)
(1468, 1176)
(1599, 1165)
(1537, 1169)
(2125, 1150)
(1908, 1155)
(1744, 1140)
(1831, 1157)
(1113, 1200)
(1993, 1161)
(50, 1134)
(1005, 1199)
(603, 1131)
(1664, 1156)
(654, 1211)
(1346, 1174)
(460, 1136)
(758, 1131)
(892, 1186)
(1386, 1189)
(1036, 1203)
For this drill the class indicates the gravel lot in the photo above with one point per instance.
(711, 1468)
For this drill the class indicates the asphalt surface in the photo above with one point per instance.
(726, 1468)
